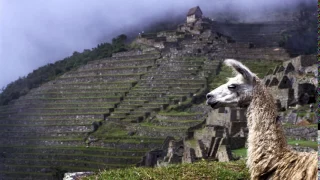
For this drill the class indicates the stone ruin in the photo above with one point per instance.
(294, 82)
(222, 131)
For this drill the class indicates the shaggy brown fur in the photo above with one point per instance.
(269, 156)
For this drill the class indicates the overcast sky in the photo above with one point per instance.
(34, 33)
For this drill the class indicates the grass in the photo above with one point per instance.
(110, 129)
(312, 144)
(114, 68)
(105, 75)
(199, 170)
(83, 149)
(289, 125)
(177, 113)
(240, 152)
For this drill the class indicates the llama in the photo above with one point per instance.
(269, 156)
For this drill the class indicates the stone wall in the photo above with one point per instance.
(260, 34)
(294, 82)
(302, 133)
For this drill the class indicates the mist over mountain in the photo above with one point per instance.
(34, 33)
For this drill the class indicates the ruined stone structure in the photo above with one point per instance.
(294, 82)
(194, 14)
(170, 69)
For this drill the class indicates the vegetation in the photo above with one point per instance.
(199, 170)
(242, 152)
(311, 144)
(49, 72)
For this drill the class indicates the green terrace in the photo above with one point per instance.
(34, 134)
(74, 163)
(89, 90)
(40, 125)
(102, 76)
(123, 63)
(81, 97)
(79, 149)
(184, 123)
(56, 114)
(135, 140)
(73, 108)
(124, 59)
(172, 84)
(64, 156)
(162, 128)
(122, 83)
(74, 168)
(81, 92)
(113, 68)
(31, 175)
(83, 104)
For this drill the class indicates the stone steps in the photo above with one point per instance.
(79, 90)
(72, 142)
(89, 85)
(145, 98)
(88, 110)
(133, 144)
(72, 100)
(161, 131)
(22, 134)
(110, 64)
(175, 123)
(36, 122)
(56, 116)
(104, 78)
(172, 84)
(180, 116)
(129, 106)
(107, 105)
(116, 159)
(130, 58)
(24, 175)
(79, 94)
(154, 77)
(106, 71)
(52, 128)
(79, 150)
(72, 165)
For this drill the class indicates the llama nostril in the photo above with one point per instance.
(209, 96)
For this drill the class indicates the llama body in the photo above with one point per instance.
(269, 156)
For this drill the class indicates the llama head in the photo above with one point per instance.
(237, 91)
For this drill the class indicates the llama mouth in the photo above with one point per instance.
(213, 105)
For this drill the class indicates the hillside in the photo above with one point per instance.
(110, 112)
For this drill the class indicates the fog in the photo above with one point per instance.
(34, 33)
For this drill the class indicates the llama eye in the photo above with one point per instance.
(232, 86)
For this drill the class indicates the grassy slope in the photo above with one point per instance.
(199, 170)
(243, 151)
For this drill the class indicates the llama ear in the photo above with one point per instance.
(240, 68)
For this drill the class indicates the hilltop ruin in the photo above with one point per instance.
(112, 112)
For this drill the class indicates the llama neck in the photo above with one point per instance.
(265, 132)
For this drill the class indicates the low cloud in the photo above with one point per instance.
(34, 33)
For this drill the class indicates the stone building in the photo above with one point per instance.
(194, 14)
(294, 82)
